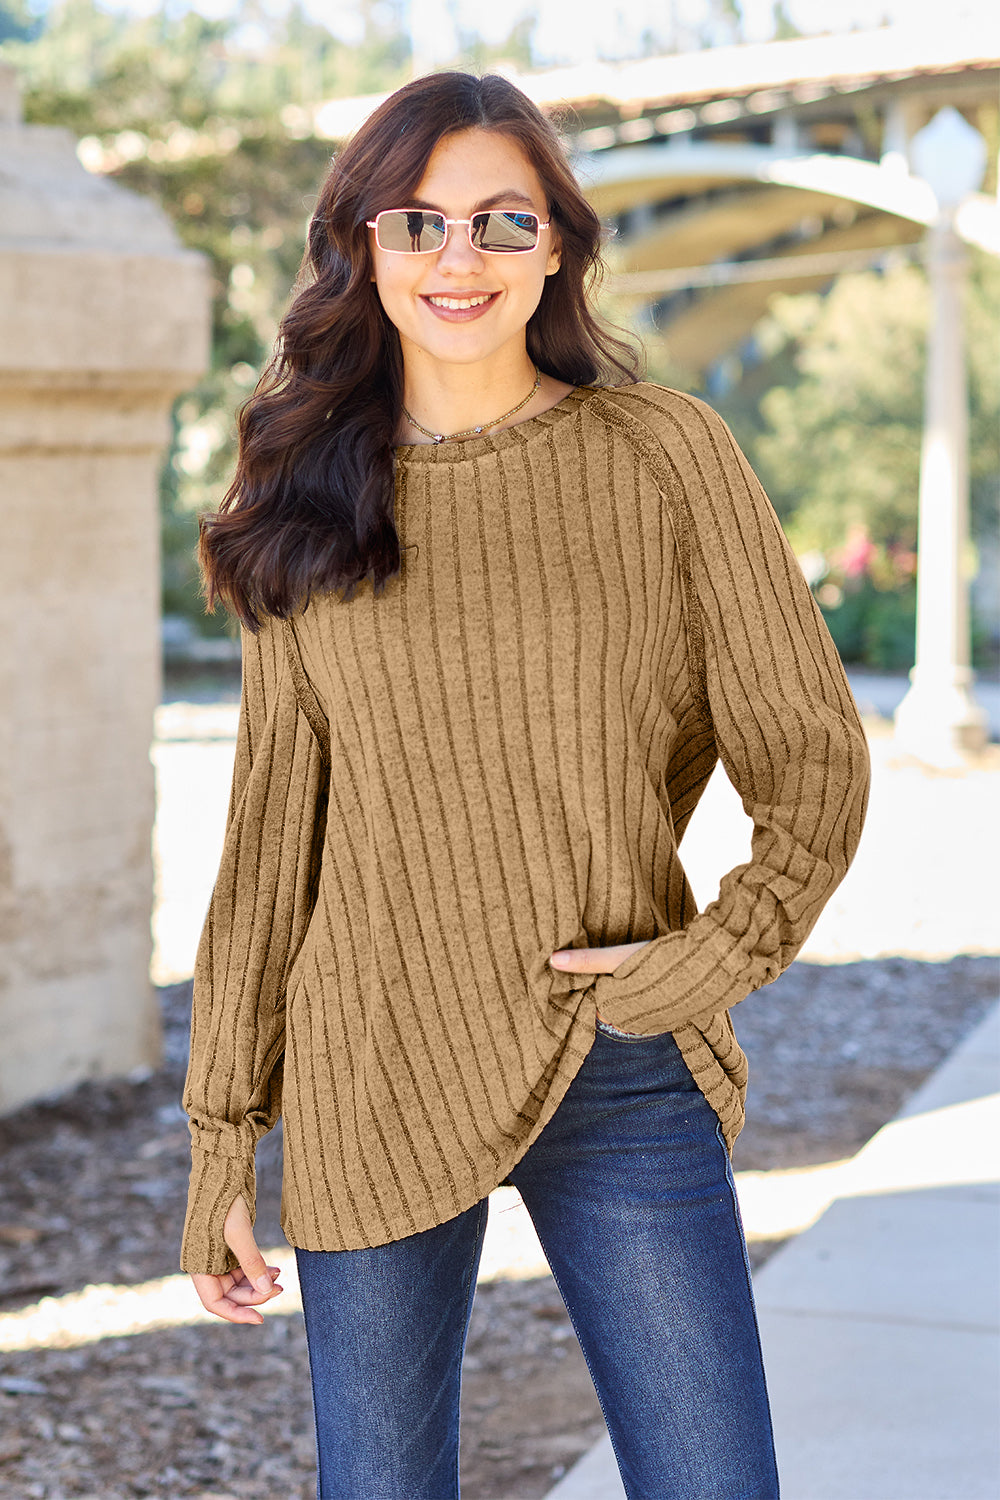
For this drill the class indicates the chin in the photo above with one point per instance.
(458, 351)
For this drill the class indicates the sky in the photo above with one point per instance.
(569, 31)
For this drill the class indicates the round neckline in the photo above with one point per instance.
(456, 450)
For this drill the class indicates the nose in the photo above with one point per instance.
(458, 255)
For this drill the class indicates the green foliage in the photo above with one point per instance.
(784, 27)
(874, 625)
(208, 118)
(840, 445)
(831, 418)
(479, 56)
(211, 119)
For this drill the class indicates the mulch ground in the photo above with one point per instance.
(91, 1191)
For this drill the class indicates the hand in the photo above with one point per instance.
(235, 1295)
(594, 960)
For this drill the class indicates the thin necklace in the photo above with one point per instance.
(442, 437)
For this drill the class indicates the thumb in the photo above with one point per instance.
(239, 1236)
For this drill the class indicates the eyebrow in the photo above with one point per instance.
(510, 198)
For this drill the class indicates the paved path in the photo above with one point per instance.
(882, 693)
(881, 1324)
(881, 1347)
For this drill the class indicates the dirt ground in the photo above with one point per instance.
(91, 1191)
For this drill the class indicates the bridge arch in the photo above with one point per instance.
(688, 205)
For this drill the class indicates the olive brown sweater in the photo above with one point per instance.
(496, 758)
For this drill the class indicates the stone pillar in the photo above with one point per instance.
(103, 321)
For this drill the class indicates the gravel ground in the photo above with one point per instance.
(91, 1188)
(92, 1183)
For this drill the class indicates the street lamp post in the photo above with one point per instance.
(939, 718)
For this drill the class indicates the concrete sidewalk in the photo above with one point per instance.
(880, 1324)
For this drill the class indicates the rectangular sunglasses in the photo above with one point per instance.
(418, 231)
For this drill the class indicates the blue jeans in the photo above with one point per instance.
(631, 1192)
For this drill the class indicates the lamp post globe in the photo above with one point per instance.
(950, 155)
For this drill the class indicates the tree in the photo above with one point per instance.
(836, 436)
(208, 118)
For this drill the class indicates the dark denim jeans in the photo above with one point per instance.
(630, 1189)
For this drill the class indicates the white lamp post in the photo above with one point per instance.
(939, 717)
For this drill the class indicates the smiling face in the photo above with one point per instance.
(459, 306)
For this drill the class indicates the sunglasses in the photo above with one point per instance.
(416, 231)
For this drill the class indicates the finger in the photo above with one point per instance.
(245, 1293)
(577, 960)
(594, 960)
(216, 1299)
(230, 1295)
(239, 1236)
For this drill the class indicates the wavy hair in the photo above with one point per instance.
(311, 505)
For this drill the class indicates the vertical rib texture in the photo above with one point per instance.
(436, 789)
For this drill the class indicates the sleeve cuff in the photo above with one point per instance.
(674, 979)
(216, 1180)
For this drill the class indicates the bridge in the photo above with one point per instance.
(727, 174)
(735, 172)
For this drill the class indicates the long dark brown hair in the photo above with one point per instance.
(311, 506)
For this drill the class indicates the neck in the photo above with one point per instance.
(455, 398)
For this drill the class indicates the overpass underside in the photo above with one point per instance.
(762, 240)
(789, 170)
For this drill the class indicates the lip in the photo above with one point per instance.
(460, 314)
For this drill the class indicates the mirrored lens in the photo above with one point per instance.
(504, 232)
(419, 231)
(411, 229)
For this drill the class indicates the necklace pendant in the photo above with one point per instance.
(440, 437)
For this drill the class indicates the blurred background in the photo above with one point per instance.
(225, 114)
(802, 225)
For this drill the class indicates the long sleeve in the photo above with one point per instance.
(256, 922)
(785, 725)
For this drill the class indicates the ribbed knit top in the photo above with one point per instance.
(496, 758)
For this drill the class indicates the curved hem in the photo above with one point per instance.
(722, 1097)
(432, 1218)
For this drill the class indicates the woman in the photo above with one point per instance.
(504, 606)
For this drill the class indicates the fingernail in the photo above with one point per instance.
(264, 1284)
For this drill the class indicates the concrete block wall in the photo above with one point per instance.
(104, 319)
